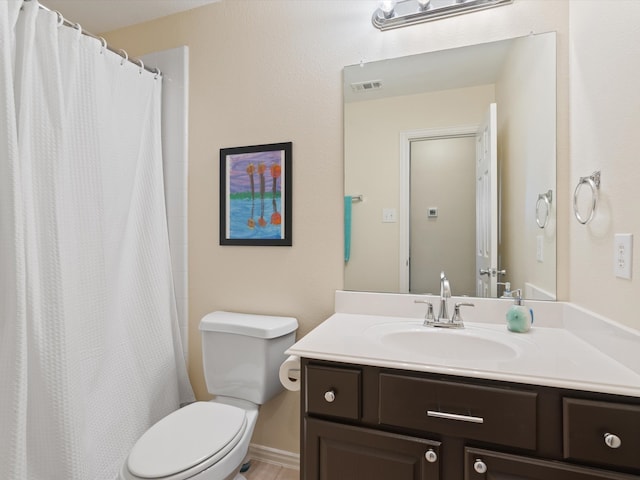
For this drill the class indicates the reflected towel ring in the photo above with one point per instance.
(593, 182)
(544, 199)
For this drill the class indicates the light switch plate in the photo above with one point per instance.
(623, 255)
(389, 215)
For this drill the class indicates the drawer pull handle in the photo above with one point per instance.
(455, 416)
(431, 456)
(612, 441)
(330, 396)
(479, 466)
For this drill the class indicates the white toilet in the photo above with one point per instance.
(241, 355)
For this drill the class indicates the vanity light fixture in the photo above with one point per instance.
(391, 14)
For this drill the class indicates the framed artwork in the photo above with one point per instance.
(255, 195)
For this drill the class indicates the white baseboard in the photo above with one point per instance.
(274, 456)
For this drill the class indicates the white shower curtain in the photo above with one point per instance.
(90, 351)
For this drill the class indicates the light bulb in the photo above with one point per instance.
(386, 7)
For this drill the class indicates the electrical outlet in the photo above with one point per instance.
(623, 255)
(540, 248)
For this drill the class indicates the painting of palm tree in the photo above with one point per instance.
(255, 195)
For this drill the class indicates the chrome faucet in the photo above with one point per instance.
(443, 319)
(445, 295)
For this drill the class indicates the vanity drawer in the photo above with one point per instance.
(333, 391)
(484, 465)
(496, 415)
(589, 426)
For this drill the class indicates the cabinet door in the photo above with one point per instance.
(341, 452)
(488, 465)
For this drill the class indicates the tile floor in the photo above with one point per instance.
(268, 471)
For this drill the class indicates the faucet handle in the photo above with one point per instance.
(428, 317)
(457, 318)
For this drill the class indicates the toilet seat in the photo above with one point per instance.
(187, 441)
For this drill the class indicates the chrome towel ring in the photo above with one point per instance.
(593, 182)
(544, 199)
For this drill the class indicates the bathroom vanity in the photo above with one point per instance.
(555, 408)
(378, 423)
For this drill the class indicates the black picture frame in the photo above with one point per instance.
(255, 195)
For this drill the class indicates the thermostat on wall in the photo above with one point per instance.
(433, 212)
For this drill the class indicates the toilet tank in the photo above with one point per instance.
(241, 353)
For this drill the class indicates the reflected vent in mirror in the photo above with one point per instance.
(366, 86)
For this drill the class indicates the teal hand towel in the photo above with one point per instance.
(347, 227)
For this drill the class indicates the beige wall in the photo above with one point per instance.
(270, 71)
(605, 118)
(372, 147)
(525, 93)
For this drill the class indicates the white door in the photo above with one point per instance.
(487, 206)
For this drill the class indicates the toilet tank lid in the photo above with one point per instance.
(260, 326)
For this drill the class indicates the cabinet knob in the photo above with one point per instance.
(431, 456)
(612, 441)
(330, 396)
(480, 466)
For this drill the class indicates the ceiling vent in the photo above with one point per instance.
(366, 86)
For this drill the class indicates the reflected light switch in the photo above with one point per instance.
(389, 215)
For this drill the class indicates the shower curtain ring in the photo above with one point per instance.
(124, 55)
(78, 27)
(104, 45)
(60, 18)
(158, 73)
(137, 60)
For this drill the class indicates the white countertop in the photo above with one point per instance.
(569, 349)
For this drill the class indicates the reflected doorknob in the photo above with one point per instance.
(492, 272)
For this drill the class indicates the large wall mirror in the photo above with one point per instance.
(450, 165)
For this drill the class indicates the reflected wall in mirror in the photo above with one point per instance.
(415, 131)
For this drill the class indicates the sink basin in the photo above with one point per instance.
(465, 344)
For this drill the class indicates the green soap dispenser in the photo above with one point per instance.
(519, 317)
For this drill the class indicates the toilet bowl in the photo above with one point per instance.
(203, 441)
(210, 440)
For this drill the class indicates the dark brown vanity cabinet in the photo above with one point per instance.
(345, 452)
(371, 423)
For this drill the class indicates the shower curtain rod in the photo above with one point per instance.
(120, 52)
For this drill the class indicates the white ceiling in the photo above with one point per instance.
(98, 16)
(428, 72)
